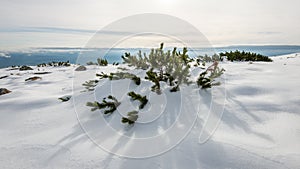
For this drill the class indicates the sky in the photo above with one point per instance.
(72, 23)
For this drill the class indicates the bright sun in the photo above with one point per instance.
(167, 1)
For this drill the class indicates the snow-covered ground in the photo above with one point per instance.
(259, 127)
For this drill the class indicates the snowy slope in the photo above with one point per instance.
(259, 128)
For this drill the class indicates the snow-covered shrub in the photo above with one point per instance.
(207, 78)
(131, 117)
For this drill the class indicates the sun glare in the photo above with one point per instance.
(167, 1)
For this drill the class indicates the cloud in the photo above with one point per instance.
(45, 30)
(60, 30)
(268, 33)
(80, 31)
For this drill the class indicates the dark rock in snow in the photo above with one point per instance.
(33, 78)
(65, 98)
(41, 73)
(25, 68)
(80, 68)
(2, 77)
(4, 91)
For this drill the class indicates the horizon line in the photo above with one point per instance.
(121, 48)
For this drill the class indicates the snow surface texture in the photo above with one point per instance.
(260, 126)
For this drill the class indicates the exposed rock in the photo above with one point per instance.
(13, 68)
(33, 78)
(4, 91)
(2, 77)
(41, 73)
(25, 68)
(65, 98)
(80, 68)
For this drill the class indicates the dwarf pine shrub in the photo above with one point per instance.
(102, 62)
(206, 58)
(91, 63)
(170, 67)
(245, 56)
(55, 64)
(115, 63)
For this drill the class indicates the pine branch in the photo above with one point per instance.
(139, 62)
(203, 81)
(175, 89)
(120, 75)
(136, 80)
(152, 76)
(131, 117)
(105, 76)
(216, 73)
(143, 99)
(110, 106)
(90, 85)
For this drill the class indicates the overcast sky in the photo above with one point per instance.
(70, 23)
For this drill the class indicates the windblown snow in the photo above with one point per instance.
(254, 122)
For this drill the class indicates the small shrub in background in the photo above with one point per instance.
(102, 62)
(245, 56)
(55, 64)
